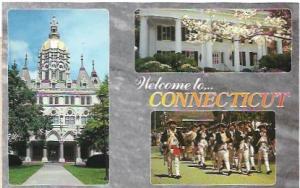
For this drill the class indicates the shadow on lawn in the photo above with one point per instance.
(164, 176)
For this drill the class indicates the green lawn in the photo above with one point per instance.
(87, 175)
(19, 174)
(194, 175)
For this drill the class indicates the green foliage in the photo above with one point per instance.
(169, 62)
(25, 116)
(95, 133)
(155, 66)
(264, 116)
(19, 174)
(276, 61)
(189, 68)
(86, 175)
(196, 176)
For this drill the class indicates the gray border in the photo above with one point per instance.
(130, 115)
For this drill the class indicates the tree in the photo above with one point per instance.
(95, 133)
(25, 116)
(274, 26)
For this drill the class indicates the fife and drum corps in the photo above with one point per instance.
(230, 147)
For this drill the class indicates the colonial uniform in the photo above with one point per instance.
(244, 152)
(263, 150)
(202, 147)
(172, 140)
(189, 142)
(222, 138)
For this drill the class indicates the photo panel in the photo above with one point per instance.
(213, 147)
(213, 40)
(58, 97)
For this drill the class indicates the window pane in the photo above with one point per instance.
(72, 100)
(88, 100)
(56, 100)
(66, 99)
(41, 100)
(82, 100)
(83, 120)
(50, 100)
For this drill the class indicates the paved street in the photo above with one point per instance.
(53, 174)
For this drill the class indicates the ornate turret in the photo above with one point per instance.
(94, 77)
(83, 79)
(54, 28)
(54, 62)
(24, 73)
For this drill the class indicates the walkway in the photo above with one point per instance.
(52, 174)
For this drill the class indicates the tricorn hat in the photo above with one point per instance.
(222, 125)
(170, 121)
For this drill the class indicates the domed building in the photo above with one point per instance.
(67, 101)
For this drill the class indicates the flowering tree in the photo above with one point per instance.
(246, 26)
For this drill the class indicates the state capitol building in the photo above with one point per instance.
(67, 101)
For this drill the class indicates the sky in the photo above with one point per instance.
(83, 32)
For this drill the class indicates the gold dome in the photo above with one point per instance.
(54, 43)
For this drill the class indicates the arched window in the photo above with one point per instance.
(61, 75)
(47, 75)
(70, 118)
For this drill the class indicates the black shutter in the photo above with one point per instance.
(183, 34)
(222, 57)
(196, 56)
(244, 58)
(159, 32)
(241, 55)
(251, 58)
(232, 58)
(172, 33)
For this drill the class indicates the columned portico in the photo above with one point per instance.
(209, 52)
(236, 45)
(28, 152)
(143, 37)
(78, 154)
(279, 46)
(61, 152)
(264, 48)
(178, 40)
(45, 154)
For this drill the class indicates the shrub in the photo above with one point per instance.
(276, 61)
(169, 62)
(209, 69)
(246, 70)
(140, 62)
(97, 161)
(14, 160)
(189, 68)
(155, 66)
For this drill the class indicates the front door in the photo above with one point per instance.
(53, 151)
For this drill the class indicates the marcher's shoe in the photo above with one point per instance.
(170, 175)
(253, 168)
(259, 171)
(178, 177)
(203, 166)
(248, 173)
(269, 172)
(229, 173)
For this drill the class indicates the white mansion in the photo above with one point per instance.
(161, 30)
(66, 101)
